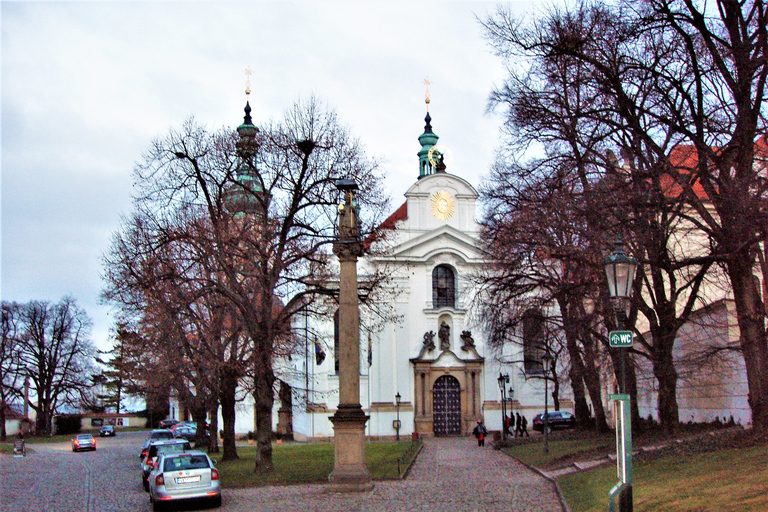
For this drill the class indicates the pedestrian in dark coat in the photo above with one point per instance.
(518, 426)
(480, 432)
(524, 429)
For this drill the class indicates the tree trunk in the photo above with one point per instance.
(666, 374)
(751, 318)
(213, 440)
(264, 398)
(227, 399)
(3, 432)
(198, 416)
(592, 382)
(576, 375)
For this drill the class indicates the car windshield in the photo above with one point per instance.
(171, 448)
(184, 462)
(84, 436)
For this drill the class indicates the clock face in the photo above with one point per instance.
(442, 205)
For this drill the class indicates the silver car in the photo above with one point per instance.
(184, 476)
(155, 449)
(83, 442)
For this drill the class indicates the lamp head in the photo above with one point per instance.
(346, 185)
(620, 271)
(546, 361)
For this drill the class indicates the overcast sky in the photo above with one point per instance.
(87, 85)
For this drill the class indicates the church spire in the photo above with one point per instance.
(428, 139)
(247, 184)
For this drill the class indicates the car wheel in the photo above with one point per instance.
(216, 502)
(145, 484)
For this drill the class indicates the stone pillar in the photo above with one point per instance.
(350, 473)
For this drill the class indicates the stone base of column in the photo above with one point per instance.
(350, 473)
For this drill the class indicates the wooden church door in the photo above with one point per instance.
(446, 406)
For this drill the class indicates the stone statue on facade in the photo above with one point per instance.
(429, 340)
(466, 337)
(444, 333)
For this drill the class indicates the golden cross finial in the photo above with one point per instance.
(427, 82)
(247, 82)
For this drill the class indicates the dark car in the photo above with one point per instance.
(167, 423)
(185, 432)
(107, 430)
(156, 435)
(557, 420)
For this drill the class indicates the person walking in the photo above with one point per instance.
(518, 426)
(524, 428)
(480, 432)
(508, 424)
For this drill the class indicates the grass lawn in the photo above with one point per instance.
(733, 479)
(312, 463)
(559, 450)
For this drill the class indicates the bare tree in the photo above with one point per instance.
(11, 374)
(56, 354)
(668, 74)
(251, 219)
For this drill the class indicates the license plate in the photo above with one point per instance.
(187, 479)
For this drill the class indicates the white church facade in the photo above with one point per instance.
(431, 369)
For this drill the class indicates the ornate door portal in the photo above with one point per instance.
(446, 396)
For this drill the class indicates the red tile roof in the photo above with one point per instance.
(390, 222)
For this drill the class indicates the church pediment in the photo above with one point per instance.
(447, 358)
(443, 239)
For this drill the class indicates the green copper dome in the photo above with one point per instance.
(428, 139)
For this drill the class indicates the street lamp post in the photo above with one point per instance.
(502, 380)
(620, 271)
(397, 407)
(546, 360)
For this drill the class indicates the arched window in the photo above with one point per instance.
(443, 287)
(534, 341)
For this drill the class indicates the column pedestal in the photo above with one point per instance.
(349, 473)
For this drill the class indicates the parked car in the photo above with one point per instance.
(184, 476)
(167, 423)
(157, 434)
(153, 452)
(83, 442)
(107, 430)
(179, 424)
(185, 432)
(557, 420)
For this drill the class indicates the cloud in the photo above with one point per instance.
(87, 86)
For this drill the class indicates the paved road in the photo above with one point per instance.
(54, 479)
(451, 474)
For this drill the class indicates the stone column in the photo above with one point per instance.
(350, 473)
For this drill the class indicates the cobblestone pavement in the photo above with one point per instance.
(54, 479)
(450, 474)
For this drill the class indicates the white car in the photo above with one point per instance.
(184, 476)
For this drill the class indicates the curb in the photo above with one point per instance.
(413, 461)
(551, 480)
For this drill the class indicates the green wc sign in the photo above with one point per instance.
(620, 338)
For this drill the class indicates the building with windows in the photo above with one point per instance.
(434, 358)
